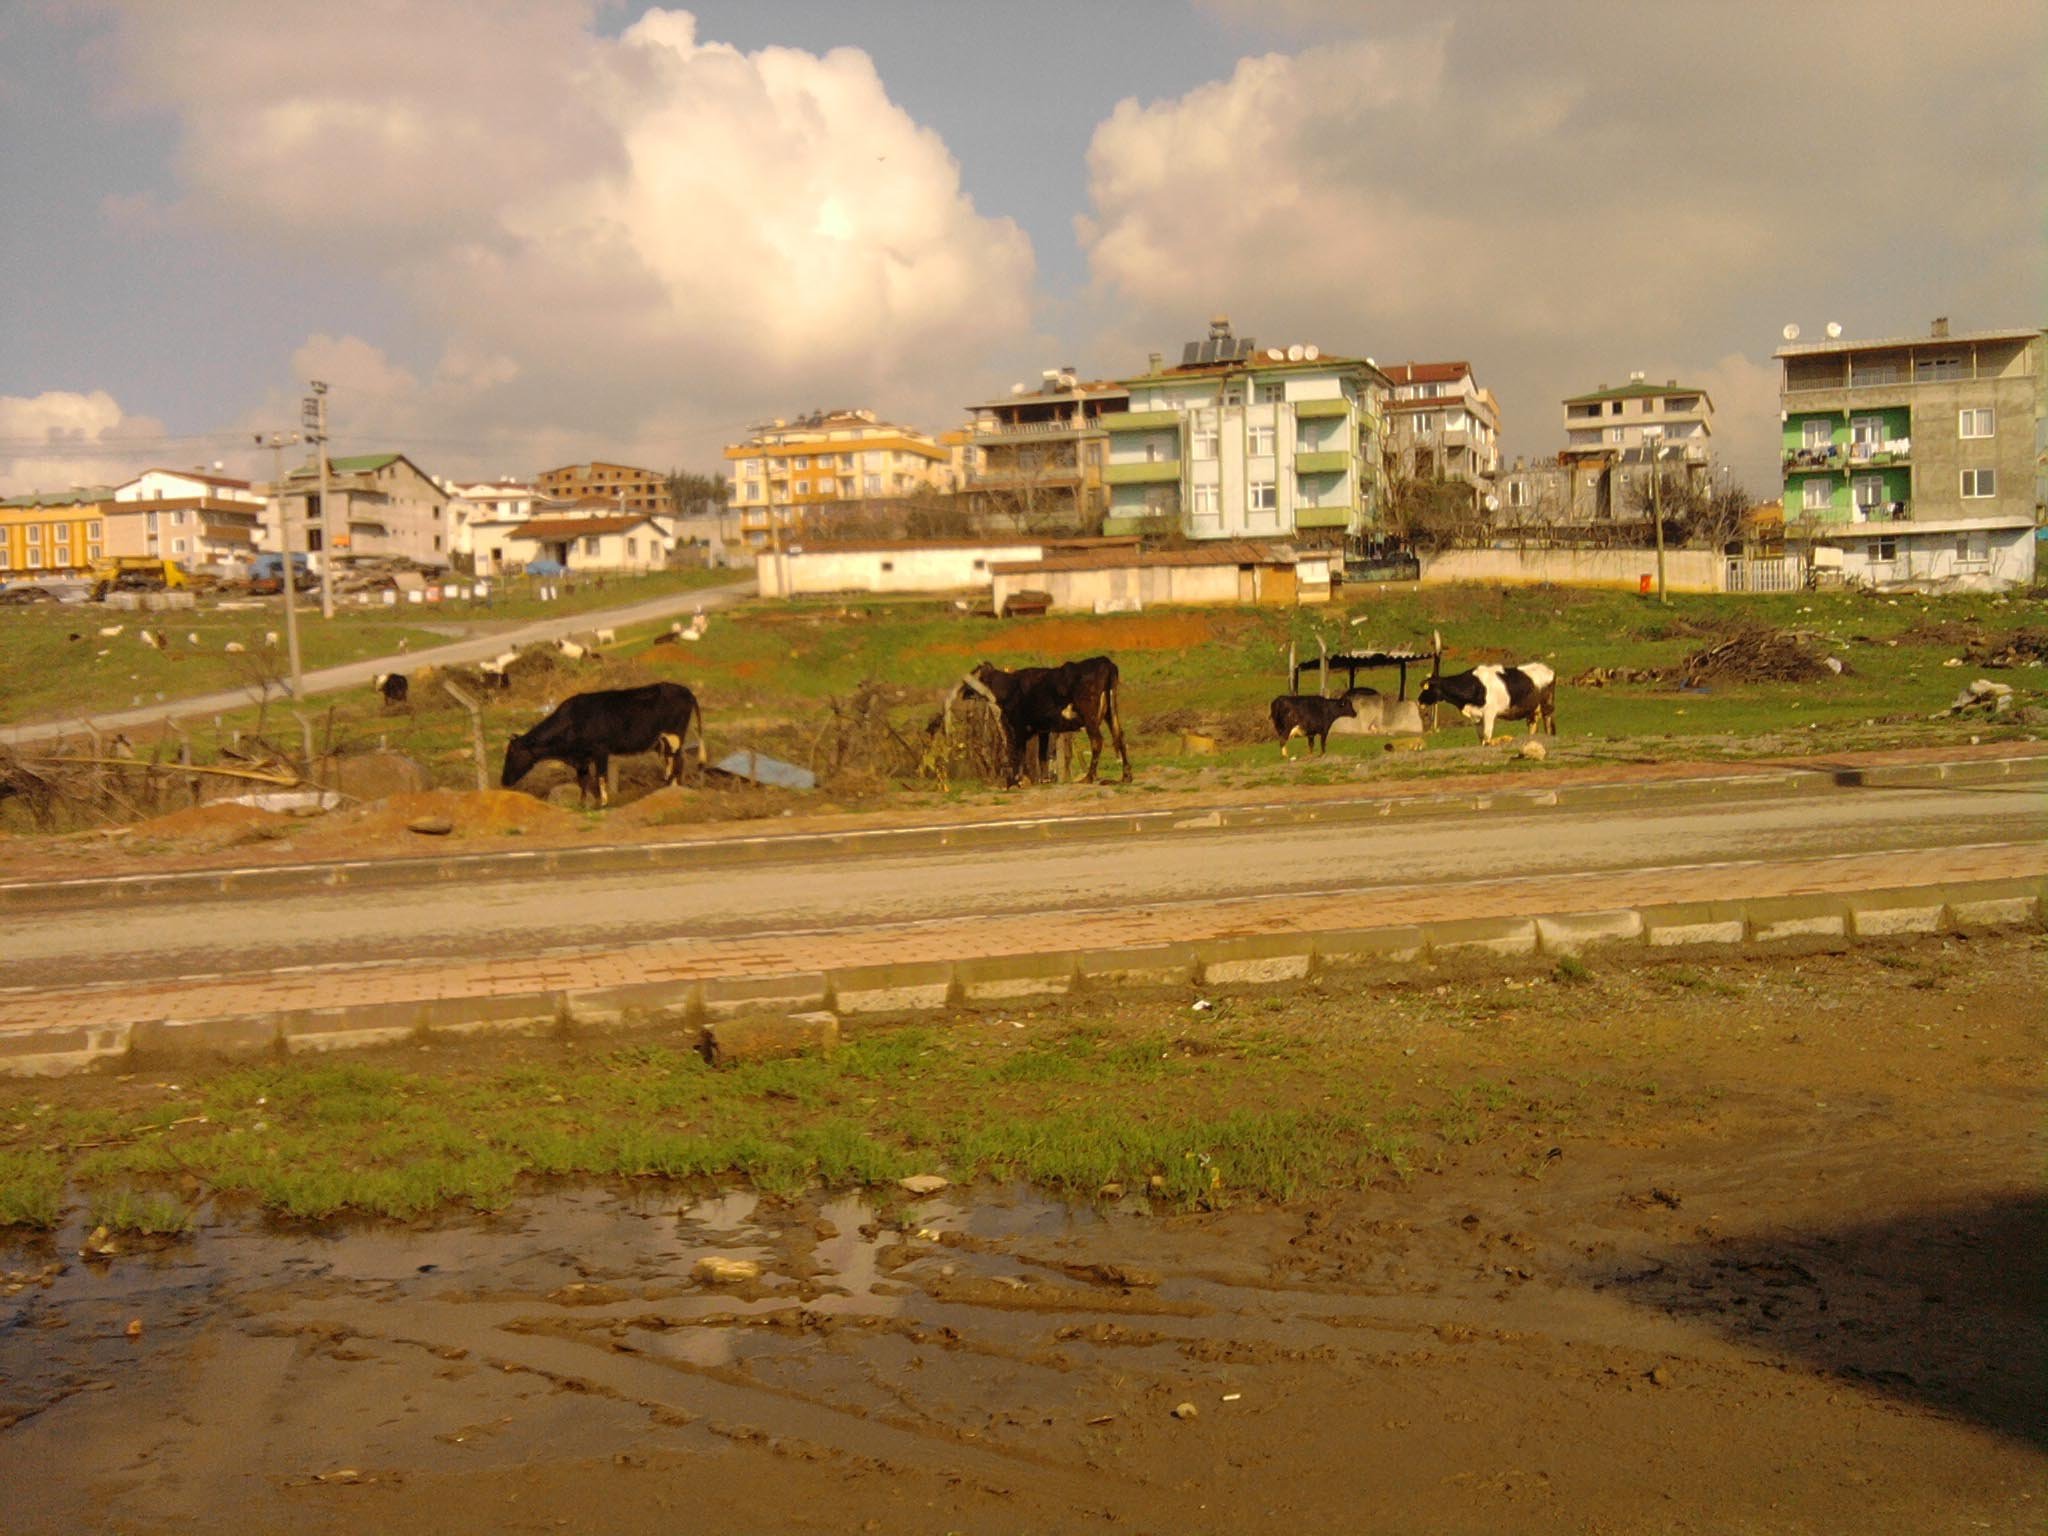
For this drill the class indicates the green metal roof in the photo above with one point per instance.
(1634, 391)
(76, 496)
(359, 464)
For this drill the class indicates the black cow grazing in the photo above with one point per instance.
(394, 687)
(1311, 715)
(1490, 693)
(589, 727)
(1037, 703)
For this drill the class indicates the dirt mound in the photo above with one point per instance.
(211, 826)
(1756, 654)
(470, 813)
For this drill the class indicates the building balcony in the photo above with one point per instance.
(1324, 462)
(1050, 476)
(1009, 431)
(1335, 516)
(1151, 472)
(1138, 421)
(1314, 410)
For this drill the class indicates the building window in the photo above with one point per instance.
(1268, 392)
(177, 546)
(590, 546)
(35, 534)
(1973, 548)
(1264, 497)
(1614, 435)
(92, 530)
(1980, 423)
(632, 549)
(1262, 442)
(1815, 495)
(1518, 493)
(92, 551)
(1929, 369)
(1885, 550)
(1816, 433)
(802, 461)
(1979, 483)
(801, 488)
(1869, 493)
(6, 559)
(1205, 440)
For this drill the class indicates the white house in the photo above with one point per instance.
(633, 541)
(195, 518)
(494, 502)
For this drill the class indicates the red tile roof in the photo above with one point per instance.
(1427, 373)
(578, 527)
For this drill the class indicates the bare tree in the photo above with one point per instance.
(1695, 510)
(1434, 514)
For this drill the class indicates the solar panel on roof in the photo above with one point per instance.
(1190, 354)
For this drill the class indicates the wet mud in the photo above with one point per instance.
(1617, 1344)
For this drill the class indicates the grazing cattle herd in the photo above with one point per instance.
(1033, 705)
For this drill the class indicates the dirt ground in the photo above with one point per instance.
(1783, 1269)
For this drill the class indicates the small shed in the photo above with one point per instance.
(1229, 571)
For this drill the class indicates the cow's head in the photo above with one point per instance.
(1433, 693)
(519, 758)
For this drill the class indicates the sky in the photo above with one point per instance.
(511, 234)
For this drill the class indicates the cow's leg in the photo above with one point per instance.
(1116, 730)
(1093, 723)
(603, 763)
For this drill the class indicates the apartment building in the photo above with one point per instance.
(480, 508)
(50, 533)
(383, 504)
(1041, 451)
(1441, 425)
(1243, 441)
(791, 478)
(1918, 458)
(1614, 436)
(201, 520)
(627, 489)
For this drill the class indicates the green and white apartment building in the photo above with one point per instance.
(1241, 441)
(1915, 462)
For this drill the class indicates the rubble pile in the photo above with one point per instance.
(1756, 654)
(2022, 648)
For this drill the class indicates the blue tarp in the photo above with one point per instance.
(546, 568)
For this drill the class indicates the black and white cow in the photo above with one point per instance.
(589, 727)
(1490, 693)
(395, 689)
(1311, 715)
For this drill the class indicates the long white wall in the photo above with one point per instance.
(818, 572)
(1685, 570)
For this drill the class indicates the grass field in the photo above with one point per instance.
(1264, 1094)
(782, 679)
(45, 673)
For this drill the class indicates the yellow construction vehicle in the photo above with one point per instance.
(135, 573)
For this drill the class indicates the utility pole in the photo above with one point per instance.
(313, 414)
(1656, 454)
(276, 443)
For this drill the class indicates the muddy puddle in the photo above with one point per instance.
(1417, 1359)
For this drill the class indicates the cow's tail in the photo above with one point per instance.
(703, 748)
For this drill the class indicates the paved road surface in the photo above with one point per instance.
(533, 913)
(357, 674)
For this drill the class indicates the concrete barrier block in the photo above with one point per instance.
(523, 1013)
(635, 1004)
(1008, 976)
(1886, 914)
(2008, 911)
(176, 1039)
(1253, 958)
(723, 997)
(1149, 965)
(311, 1031)
(1491, 935)
(1694, 922)
(893, 988)
(765, 1036)
(1369, 946)
(1772, 918)
(1568, 933)
(50, 1050)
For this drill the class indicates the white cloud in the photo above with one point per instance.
(1561, 193)
(62, 438)
(644, 238)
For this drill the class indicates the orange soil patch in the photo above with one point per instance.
(216, 824)
(1085, 636)
(473, 813)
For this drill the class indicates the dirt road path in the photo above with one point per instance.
(357, 674)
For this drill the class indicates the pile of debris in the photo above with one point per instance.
(1981, 696)
(1757, 654)
(1600, 677)
(2022, 648)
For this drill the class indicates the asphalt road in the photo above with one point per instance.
(357, 674)
(526, 913)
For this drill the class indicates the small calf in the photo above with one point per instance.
(394, 687)
(1310, 715)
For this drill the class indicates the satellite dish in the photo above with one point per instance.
(1275, 355)
(1294, 353)
(1834, 331)
(1790, 333)
(1311, 352)
(1493, 503)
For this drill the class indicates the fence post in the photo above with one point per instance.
(476, 727)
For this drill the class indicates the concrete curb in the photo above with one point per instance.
(923, 985)
(705, 854)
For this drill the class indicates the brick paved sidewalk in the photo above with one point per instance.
(922, 963)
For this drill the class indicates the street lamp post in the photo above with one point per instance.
(276, 443)
(313, 416)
